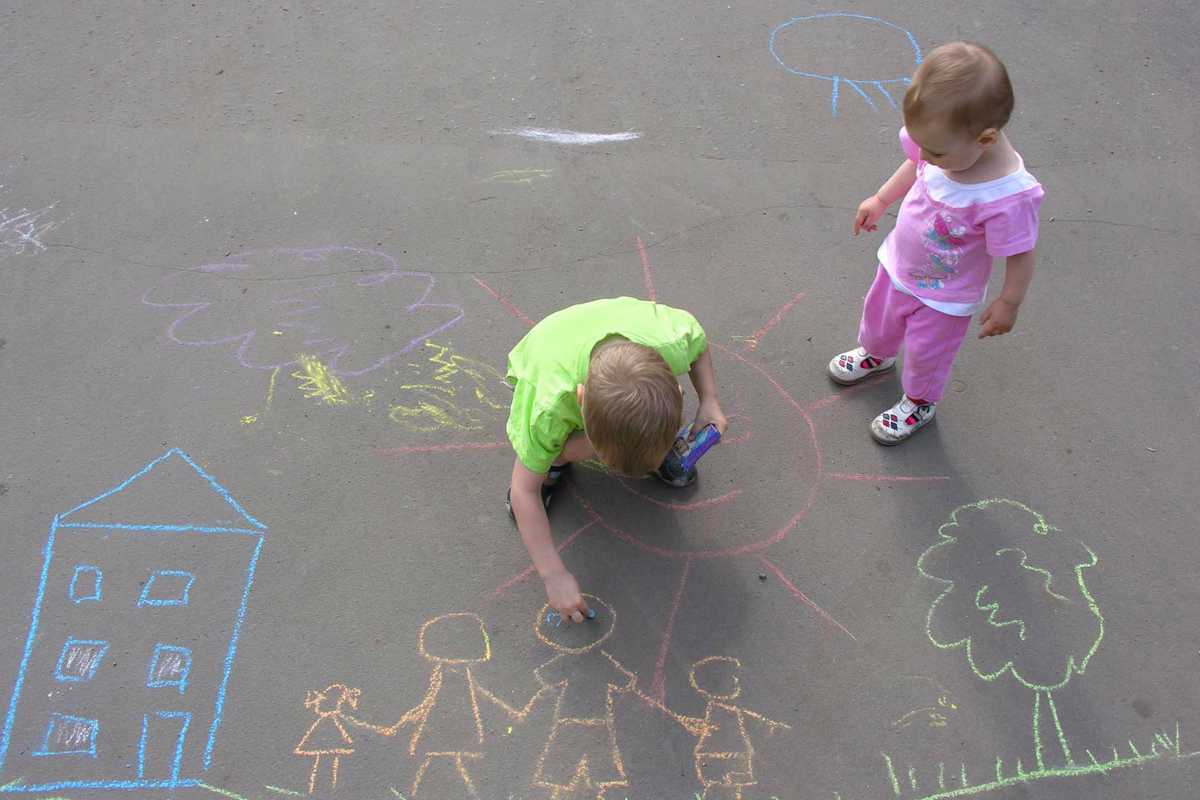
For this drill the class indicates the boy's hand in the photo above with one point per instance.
(869, 212)
(562, 592)
(998, 319)
(708, 412)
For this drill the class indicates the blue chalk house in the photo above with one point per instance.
(133, 635)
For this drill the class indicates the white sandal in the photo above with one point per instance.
(852, 366)
(901, 421)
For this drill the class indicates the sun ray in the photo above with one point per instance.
(658, 687)
(803, 598)
(647, 272)
(755, 339)
(504, 301)
(528, 571)
(439, 448)
(842, 394)
(848, 476)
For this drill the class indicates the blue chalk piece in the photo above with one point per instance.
(591, 613)
(553, 618)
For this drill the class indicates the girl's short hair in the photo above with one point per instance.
(632, 406)
(963, 82)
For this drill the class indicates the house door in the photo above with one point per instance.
(160, 751)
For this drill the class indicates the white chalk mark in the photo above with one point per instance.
(555, 136)
(21, 231)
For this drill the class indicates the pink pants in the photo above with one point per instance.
(931, 339)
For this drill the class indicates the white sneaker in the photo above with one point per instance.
(901, 421)
(854, 365)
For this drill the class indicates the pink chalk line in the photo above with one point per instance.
(845, 476)
(658, 687)
(504, 301)
(756, 338)
(647, 273)
(439, 448)
(742, 436)
(525, 573)
(841, 394)
(803, 598)
(695, 505)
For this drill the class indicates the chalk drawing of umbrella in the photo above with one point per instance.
(863, 86)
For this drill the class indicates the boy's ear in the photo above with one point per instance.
(987, 138)
(579, 393)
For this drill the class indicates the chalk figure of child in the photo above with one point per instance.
(327, 737)
(967, 199)
(598, 381)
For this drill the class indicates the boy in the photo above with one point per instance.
(598, 380)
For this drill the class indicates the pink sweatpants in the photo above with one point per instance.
(931, 339)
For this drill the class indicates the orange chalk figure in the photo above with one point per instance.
(724, 753)
(327, 736)
(581, 754)
(449, 729)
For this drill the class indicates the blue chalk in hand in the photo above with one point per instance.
(591, 613)
(553, 618)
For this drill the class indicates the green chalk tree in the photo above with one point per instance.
(1015, 602)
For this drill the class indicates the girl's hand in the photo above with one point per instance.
(869, 212)
(709, 412)
(562, 592)
(998, 319)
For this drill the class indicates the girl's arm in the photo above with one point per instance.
(1001, 314)
(898, 185)
(895, 187)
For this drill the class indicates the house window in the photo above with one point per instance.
(69, 736)
(79, 660)
(167, 587)
(85, 584)
(169, 666)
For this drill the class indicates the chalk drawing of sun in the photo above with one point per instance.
(755, 489)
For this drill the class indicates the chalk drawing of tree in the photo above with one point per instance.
(1014, 602)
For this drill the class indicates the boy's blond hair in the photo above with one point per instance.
(963, 82)
(632, 406)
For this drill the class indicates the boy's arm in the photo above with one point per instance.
(562, 590)
(895, 187)
(705, 380)
(1001, 314)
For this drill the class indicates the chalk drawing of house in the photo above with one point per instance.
(133, 634)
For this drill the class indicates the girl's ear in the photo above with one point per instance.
(579, 393)
(987, 138)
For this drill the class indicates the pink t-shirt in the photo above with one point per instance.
(947, 233)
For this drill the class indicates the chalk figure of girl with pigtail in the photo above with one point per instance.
(327, 739)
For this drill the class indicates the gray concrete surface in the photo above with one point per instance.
(143, 142)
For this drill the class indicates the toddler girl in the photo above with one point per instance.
(967, 199)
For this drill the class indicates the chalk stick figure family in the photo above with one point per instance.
(581, 756)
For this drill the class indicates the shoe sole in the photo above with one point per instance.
(674, 485)
(854, 381)
(893, 442)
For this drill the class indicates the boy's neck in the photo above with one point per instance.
(997, 161)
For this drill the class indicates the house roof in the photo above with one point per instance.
(171, 493)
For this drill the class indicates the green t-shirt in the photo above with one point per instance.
(546, 366)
